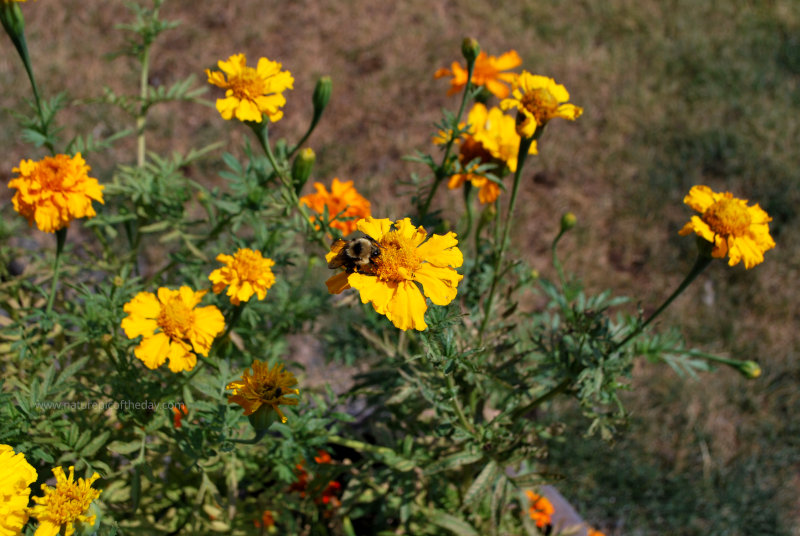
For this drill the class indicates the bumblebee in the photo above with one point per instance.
(356, 255)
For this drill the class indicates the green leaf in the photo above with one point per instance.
(453, 462)
(483, 483)
(95, 444)
(454, 524)
(124, 448)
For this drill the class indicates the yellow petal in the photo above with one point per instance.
(374, 227)
(439, 284)
(181, 358)
(441, 250)
(407, 308)
(152, 351)
(338, 283)
(372, 289)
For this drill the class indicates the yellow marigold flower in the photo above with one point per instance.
(541, 510)
(492, 138)
(16, 476)
(171, 325)
(538, 99)
(250, 92)
(345, 204)
(54, 191)
(406, 259)
(735, 229)
(267, 387)
(487, 72)
(66, 504)
(245, 273)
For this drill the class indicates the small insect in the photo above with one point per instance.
(356, 255)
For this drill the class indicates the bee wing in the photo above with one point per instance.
(336, 258)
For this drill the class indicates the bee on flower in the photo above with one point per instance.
(404, 257)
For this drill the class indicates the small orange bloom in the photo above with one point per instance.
(344, 204)
(322, 457)
(487, 72)
(593, 532)
(541, 510)
(179, 412)
(267, 520)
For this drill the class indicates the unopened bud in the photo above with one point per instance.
(118, 281)
(749, 369)
(568, 221)
(301, 168)
(322, 95)
(263, 418)
(470, 49)
(13, 21)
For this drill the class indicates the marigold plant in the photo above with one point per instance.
(66, 506)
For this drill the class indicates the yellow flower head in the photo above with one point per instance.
(66, 504)
(345, 204)
(54, 191)
(264, 387)
(245, 273)
(406, 259)
(171, 325)
(492, 138)
(249, 92)
(487, 72)
(16, 476)
(541, 510)
(538, 99)
(733, 227)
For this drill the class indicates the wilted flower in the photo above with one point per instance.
(55, 191)
(406, 260)
(538, 99)
(171, 326)
(250, 92)
(265, 387)
(734, 228)
(488, 72)
(66, 505)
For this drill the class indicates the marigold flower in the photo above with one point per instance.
(267, 520)
(323, 457)
(250, 92)
(593, 532)
(66, 504)
(492, 139)
(55, 191)
(538, 99)
(16, 476)
(266, 387)
(345, 205)
(541, 510)
(487, 72)
(735, 229)
(179, 412)
(245, 273)
(405, 260)
(171, 326)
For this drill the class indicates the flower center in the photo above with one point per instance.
(68, 502)
(175, 318)
(398, 259)
(50, 175)
(248, 265)
(270, 393)
(541, 104)
(472, 149)
(728, 217)
(247, 84)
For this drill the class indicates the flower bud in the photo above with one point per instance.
(322, 94)
(749, 369)
(263, 418)
(470, 49)
(568, 221)
(13, 21)
(301, 168)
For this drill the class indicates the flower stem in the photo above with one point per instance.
(700, 264)
(141, 117)
(360, 446)
(457, 405)
(558, 389)
(61, 238)
(522, 154)
(441, 172)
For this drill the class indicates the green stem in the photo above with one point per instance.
(556, 262)
(141, 117)
(360, 446)
(441, 172)
(457, 405)
(558, 389)
(522, 154)
(61, 238)
(700, 264)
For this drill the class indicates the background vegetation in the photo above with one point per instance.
(675, 93)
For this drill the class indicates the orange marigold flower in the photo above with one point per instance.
(593, 532)
(171, 326)
(55, 191)
(541, 510)
(538, 99)
(16, 477)
(249, 92)
(179, 412)
(734, 228)
(245, 273)
(487, 72)
(406, 260)
(344, 204)
(65, 506)
(267, 387)
(267, 520)
(323, 457)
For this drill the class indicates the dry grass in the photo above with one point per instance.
(676, 93)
